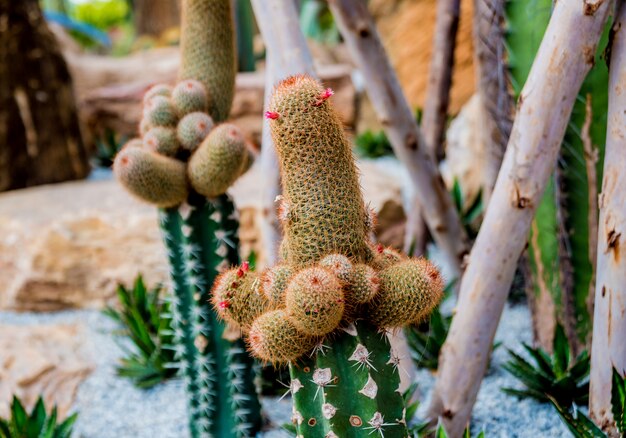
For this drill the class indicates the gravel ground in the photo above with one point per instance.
(110, 407)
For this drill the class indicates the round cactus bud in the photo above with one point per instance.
(237, 298)
(339, 264)
(218, 161)
(189, 96)
(157, 90)
(133, 143)
(161, 140)
(193, 128)
(363, 284)
(274, 283)
(156, 179)
(159, 111)
(144, 126)
(408, 292)
(274, 338)
(314, 301)
(384, 257)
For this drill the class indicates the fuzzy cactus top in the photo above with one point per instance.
(322, 210)
(331, 274)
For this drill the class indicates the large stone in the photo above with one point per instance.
(46, 360)
(69, 245)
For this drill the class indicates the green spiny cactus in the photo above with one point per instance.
(344, 374)
(218, 161)
(561, 247)
(189, 96)
(237, 297)
(198, 220)
(193, 128)
(152, 177)
(209, 57)
(274, 283)
(162, 140)
(314, 301)
(159, 111)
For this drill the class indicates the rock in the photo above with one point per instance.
(46, 360)
(465, 152)
(407, 29)
(69, 245)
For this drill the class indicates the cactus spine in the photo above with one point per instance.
(197, 219)
(327, 308)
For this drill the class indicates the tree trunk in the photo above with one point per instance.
(40, 139)
(287, 54)
(155, 17)
(493, 85)
(609, 322)
(358, 30)
(565, 56)
(440, 76)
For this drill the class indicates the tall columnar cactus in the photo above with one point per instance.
(563, 235)
(184, 164)
(326, 308)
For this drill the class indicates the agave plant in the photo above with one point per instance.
(582, 426)
(425, 340)
(37, 424)
(144, 318)
(558, 377)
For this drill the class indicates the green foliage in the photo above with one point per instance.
(582, 426)
(618, 401)
(441, 433)
(416, 426)
(373, 145)
(246, 59)
(145, 321)
(559, 376)
(425, 340)
(317, 22)
(37, 424)
(469, 214)
(102, 14)
(107, 147)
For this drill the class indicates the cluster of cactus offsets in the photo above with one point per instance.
(183, 163)
(327, 307)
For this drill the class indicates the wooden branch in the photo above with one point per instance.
(609, 321)
(287, 54)
(440, 76)
(359, 32)
(493, 85)
(564, 58)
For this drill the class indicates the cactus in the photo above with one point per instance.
(332, 299)
(208, 52)
(184, 165)
(561, 244)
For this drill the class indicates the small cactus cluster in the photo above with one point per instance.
(180, 150)
(184, 162)
(334, 292)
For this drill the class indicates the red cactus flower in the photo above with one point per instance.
(271, 115)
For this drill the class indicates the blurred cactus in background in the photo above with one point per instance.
(184, 163)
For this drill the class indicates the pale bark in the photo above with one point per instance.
(440, 76)
(565, 56)
(359, 32)
(609, 321)
(287, 54)
(493, 86)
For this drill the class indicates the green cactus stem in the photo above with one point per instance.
(202, 238)
(208, 51)
(350, 388)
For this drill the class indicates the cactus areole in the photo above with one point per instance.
(327, 307)
(184, 163)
